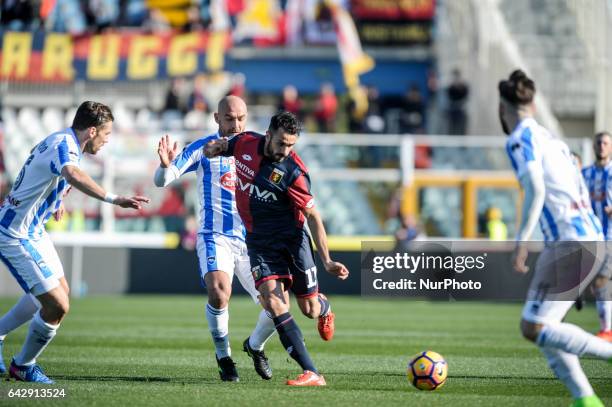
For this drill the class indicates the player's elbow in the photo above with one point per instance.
(311, 214)
(71, 174)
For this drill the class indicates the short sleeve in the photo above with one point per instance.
(523, 151)
(66, 152)
(299, 192)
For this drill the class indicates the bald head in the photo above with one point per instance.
(231, 116)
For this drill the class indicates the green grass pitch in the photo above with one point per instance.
(156, 350)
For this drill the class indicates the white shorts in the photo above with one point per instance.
(228, 254)
(562, 272)
(33, 262)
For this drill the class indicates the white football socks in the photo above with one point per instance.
(566, 367)
(572, 339)
(22, 312)
(218, 325)
(39, 336)
(263, 331)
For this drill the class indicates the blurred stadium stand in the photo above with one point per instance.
(448, 182)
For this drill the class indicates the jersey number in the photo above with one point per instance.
(19, 179)
(311, 277)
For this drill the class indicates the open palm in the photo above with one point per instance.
(167, 151)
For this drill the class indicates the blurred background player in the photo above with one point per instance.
(599, 183)
(26, 248)
(544, 168)
(274, 201)
(220, 243)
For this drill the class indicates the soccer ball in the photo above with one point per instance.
(427, 371)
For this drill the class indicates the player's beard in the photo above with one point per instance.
(270, 154)
(88, 148)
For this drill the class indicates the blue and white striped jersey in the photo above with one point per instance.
(216, 187)
(39, 188)
(565, 215)
(599, 183)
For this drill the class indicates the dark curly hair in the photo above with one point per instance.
(518, 89)
(286, 121)
(91, 114)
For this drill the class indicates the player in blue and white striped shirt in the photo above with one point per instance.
(221, 247)
(551, 184)
(598, 178)
(26, 249)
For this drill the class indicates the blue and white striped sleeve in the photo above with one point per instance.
(189, 159)
(66, 152)
(526, 153)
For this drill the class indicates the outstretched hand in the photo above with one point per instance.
(134, 202)
(337, 269)
(167, 151)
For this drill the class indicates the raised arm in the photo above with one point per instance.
(167, 152)
(173, 164)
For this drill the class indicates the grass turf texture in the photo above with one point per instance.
(156, 350)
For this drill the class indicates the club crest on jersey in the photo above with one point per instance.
(256, 271)
(210, 259)
(276, 176)
(246, 157)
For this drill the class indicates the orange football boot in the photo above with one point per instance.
(605, 335)
(326, 325)
(308, 378)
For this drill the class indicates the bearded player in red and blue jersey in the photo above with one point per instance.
(274, 201)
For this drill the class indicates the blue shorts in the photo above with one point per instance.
(288, 259)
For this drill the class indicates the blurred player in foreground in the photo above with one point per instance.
(26, 248)
(598, 178)
(274, 201)
(544, 167)
(221, 248)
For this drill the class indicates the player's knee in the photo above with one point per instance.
(218, 295)
(218, 299)
(530, 330)
(54, 311)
